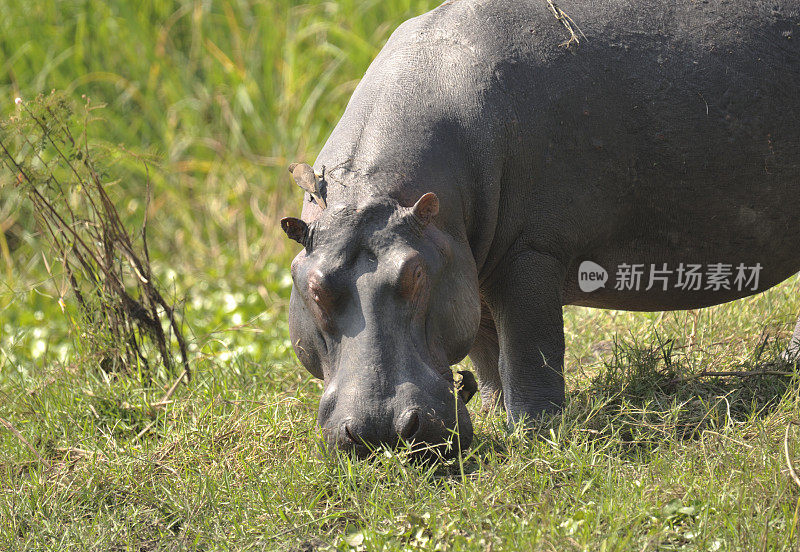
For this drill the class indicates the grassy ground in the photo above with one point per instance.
(647, 456)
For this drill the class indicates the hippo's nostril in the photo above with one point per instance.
(349, 435)
(411, 426)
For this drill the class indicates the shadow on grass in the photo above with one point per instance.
(648, 395)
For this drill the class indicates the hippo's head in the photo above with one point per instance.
(381, 306)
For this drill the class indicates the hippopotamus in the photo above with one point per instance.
(503, 158)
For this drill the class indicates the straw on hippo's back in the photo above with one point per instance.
(498, 152)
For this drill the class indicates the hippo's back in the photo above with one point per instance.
(648, 132)
(614, 131)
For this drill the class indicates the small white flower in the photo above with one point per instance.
(18, 101)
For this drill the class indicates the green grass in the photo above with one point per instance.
(228, 94)
(636, 462)
(222, 96)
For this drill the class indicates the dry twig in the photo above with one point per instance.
(735, 373)
(24, 441)
(568, 23)
(162, 402)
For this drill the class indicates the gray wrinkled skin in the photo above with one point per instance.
(669, 134)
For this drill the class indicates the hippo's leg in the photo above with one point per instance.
(792, 353)
(525, 297)
(484, 354)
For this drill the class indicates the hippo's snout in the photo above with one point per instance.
(414, 426)
(407, 426)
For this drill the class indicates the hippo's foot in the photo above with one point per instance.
(525, 298)
(535, 421)
(491, 399)
(792, 352)
(791, 355)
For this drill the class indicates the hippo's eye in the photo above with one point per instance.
(319, 290)
(411, 277)
(321, 296)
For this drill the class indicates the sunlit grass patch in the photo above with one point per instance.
(650, 453)
(226, 94)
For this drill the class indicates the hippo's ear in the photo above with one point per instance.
(426, 207)
(295, 229)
